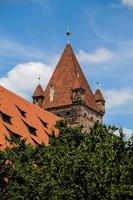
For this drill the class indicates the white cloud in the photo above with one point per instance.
(101, 55)
(118, 97)
(127, 132)
(128, 3)
(23, 78)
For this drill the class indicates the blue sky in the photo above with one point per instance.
(32, 37)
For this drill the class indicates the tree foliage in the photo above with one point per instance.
(76, 165)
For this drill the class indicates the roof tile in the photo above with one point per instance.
(67, 76)
(99, 96)
(9, 104)
(38, 91)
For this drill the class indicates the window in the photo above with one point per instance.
(91, 118)
(43, 123)
(21, 111)
(31, 129)
(6, 118)
(85, 115)
(52, 93)
(12, 134)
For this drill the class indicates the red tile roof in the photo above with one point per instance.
(38, 91)
(67, 76)
(24, 116)
(99, 96)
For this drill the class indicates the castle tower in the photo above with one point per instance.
(100, 101)
(38, 96)
(69, 95)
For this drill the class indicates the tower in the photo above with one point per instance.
(100, 101)
(69, 95)
(38, 96)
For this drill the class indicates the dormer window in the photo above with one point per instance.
(52, 93)
(12, 134)
(32, 130)
(23, 113)
(6, 118)
(45, 124)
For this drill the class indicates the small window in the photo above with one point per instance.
(21, 111)
(91, 118)
(12, 134)
(45, 124)
(31, 129)
(52, 93)
(6, 118)
(85, 115)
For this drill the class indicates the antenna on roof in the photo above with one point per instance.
(68, 33)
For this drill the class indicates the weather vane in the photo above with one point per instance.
(39, 79)
(68, 33)
(98, 85)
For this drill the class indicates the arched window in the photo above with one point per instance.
(91, 118)
(85, 115)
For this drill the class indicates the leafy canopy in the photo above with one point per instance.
(76, 165)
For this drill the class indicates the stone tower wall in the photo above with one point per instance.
(78, 115)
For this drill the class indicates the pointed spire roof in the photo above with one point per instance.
(38, 91)
(99, 96)
(67, 76)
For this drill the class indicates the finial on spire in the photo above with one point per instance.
(39, 79)
(68, 33)
(97, 85)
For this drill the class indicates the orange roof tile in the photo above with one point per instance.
(67, 76)
(24, 115)
(99, 96)
(38, 91)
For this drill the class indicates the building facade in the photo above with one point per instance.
(69, 95)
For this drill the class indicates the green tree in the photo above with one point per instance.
(76, 165)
